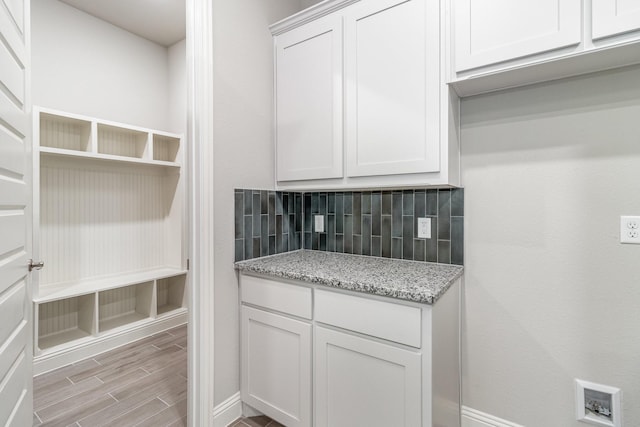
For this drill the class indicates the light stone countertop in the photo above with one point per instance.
(416, 281)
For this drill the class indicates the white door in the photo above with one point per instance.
(360, 382)
(492, 31)
(276, 366)
(309, 101)
(392, 86)
(16, 344)
(611, 17)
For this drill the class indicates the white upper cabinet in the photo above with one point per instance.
(361, 97)
(309, 101)
(612, 17)
(392, 87)
(492, 31)
(499, 44)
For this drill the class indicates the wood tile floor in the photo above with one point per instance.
(141, 384)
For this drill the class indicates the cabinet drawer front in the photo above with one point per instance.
(389, 321)
(284, 297)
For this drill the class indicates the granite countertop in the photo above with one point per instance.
(407, 280)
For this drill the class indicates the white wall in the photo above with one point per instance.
(84, 65)
(550, 293)
(244, 152)
(177, 112)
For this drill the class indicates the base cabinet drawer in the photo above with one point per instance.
(359, 382)
(276, 366)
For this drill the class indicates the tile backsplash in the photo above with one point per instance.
(377, 223)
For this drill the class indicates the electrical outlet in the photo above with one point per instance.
(630, 229)
(424, 228)
(319, 223)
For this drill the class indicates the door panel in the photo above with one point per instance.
(491, 31)
(611, 17)
(16, 352)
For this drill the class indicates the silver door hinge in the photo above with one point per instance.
(35, 265)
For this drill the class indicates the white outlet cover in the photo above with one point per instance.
(424, 228)
(585, 411)
(319, 223)
(630, 229)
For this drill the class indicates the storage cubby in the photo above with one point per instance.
(171, 294)
(165, 148)
(118, 141)
(122, 306)
(64, 321)
(65, 133)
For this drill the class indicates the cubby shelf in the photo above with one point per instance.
(109, 224)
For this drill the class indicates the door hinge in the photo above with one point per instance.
(35, 265)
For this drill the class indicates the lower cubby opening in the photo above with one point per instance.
(66, 320)
(171, 294)
(123, 306)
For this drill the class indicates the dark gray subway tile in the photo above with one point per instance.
(331, 232)
(239, 250)
(331, 203)
(248, 248)
(238, 225)
(348, 203)
(357, 244)
(419, 250)
(238, 209)
(322, 242)
(279, 202)
(272, 201)
(315, 201)
(357, 223)
(357, 204)
(420, 204)
(407, 236)
(279, 243)
(432, 202)
(248, 201)
(322, 203)
(339, 223)
(272, 245)
(264, 234)
(256, 214)
(457, 202)
(432, 249)
(288, 202)
(366, 234)
(457, 240)
(348, 233)
(396, 205)
(288, 222)
(272, 223)
(386, 203)
(307, 213)
(339, 243)
(339, 204)
(248, 227)
(386, 236)
(256, 247)
(376, 212)
(292, 241)
(298, 208)
(279, 225)
(366, 202)
(444, 252)
(407, 202)
(396, 225)
(307, 240)
(396, 248)
(285, 243)
(376, 246)
(285, 203)
(315, 241)
(264, 202)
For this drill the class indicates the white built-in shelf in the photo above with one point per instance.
(80, 137)
(62, 338)
(73, 154)
(64, 290)
(121, 320)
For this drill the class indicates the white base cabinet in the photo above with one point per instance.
(348, 358)
(359, 381)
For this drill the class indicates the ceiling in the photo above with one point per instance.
(161, 21)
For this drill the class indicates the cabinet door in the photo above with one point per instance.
(611, 17)
(276, 366)
(392, 78)
(359, 382)
(309, 101)
(491, 31)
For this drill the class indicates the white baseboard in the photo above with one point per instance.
(228, 411)
(474, 418)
